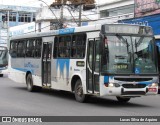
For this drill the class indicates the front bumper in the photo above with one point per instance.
(2, 69)
(132, 92)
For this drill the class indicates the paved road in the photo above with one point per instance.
(15, 100)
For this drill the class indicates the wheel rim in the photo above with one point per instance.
(79, 91)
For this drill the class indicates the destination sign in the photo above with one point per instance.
(127, 29)
(120, 66)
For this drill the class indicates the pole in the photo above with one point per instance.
(80, 11)
(61, 14)
(8, 28)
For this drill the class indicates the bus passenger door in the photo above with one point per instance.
(46, 64)
(93, 65)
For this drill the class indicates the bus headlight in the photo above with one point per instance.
(113, 85)
(153, 85)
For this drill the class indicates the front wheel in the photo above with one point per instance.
(123, 99)
(78, 91)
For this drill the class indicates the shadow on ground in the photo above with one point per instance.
(91, 100)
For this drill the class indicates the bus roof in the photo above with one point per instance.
(60, 32)
(64, 31)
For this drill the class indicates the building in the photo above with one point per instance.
(69, 17)
(18, 15)
(143, 12)
(112, 11)
(22, 29)
(147, 12)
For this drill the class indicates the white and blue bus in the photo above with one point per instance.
(3, 59)
(101, 60)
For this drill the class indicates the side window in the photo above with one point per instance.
(64, 46)
(55, 52)
(30, 48)
(97, 55)
(20, 49)
(78, 46)
(13, 49)
(38, 46)
(90, 53)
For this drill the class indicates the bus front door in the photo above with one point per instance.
(46, 64)
(93, 66)
(158, 58)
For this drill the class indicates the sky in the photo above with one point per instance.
(36, 2)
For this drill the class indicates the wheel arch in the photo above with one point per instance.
(74, 78)
(73, 81)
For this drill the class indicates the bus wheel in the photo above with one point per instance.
(1, 75)
(78, 91)
(121, 99)
(30, 86)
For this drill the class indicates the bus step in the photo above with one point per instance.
(96, 93)
(45, 85)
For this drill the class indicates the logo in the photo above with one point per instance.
(134, 83)
(137, 70)
(6, 119)
(66, 31)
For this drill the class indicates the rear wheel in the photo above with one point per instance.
(30, 86)
(123, 99)
(78, 91)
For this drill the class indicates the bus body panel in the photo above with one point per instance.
(34, 67)
(18, 70)
(63, 70)
(79, 70)
(60, 76)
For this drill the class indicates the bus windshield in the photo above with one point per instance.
(128, 54)
(3, 57)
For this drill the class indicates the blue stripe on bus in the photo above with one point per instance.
(147, 83)
(63, 66)
(106, 79)
(66, 31)
(24, 70)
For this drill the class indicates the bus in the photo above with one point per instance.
(98, 60)
(158, 58)
(3, 59)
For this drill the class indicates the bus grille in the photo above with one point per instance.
(134, 85)
(133, 79)
(134, 93)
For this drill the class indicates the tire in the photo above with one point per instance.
(78, 92)
(123, 100)
(30, 86)
(1, 75)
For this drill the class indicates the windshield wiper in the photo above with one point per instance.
(123, 40)
(120, 56)
(139, 42)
